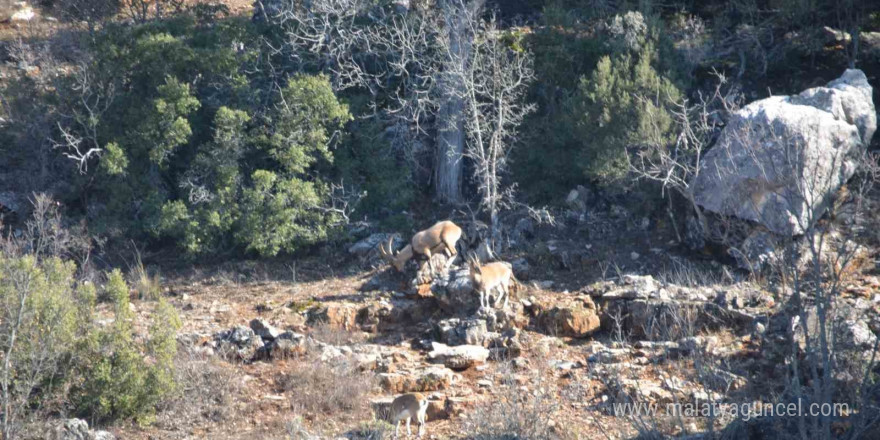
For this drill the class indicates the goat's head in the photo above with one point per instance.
(388, 253)
(475, 269)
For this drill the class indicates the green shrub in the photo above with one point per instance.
(250, 187)
(624, 103)
(116, 379)
(604, 87)
(38, 324)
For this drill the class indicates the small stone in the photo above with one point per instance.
(563, 365)
(760, 329)
(634, 256)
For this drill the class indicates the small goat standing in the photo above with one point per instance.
(491, 276)
(407, 407)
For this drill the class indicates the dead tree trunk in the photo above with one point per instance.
(449, 149)
(450, 116)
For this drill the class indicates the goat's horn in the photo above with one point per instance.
(391, 246)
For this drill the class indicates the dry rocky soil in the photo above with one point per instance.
(319, 347)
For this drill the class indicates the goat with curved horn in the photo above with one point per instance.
(441, 237)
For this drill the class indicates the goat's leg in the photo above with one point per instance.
(450, 248)
(430, 262)
(449, 262)
(498, 295)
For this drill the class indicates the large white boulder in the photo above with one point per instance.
(780, 160)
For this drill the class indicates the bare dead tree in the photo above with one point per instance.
(418, 58)
(495, 84)
(461, 19)
(343, 201)
(78, 128)
(675, 167)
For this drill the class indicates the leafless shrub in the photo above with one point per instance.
(92, 12)
(296, 430)
(78, 126)
(515, 413)
(688, 274)
(207, 390)
(326, 389)
(46, 235)
(692, 39)
(142, 11)
(373, 430)
(494, 82)
(344, 199)
(676, 167)
(335, 335)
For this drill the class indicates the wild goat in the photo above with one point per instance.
(440, 237)
(491, 276)
(406, 407)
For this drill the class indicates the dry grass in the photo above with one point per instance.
(208, 390)
(147, 285)
(326, 391)
(517, 413)
(337, 336)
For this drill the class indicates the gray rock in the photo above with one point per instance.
(634, 286)
(505, 346)
(722, 380)
(610, 356)
(455, 293)
(524, 228)
(520, 268)
(264, 330)
(757, 252)
(458, 358)
(72, 429)
(78, 429)
(431, 378)
(469, 331)
(579, 199)
(779, 160)
(285, 345)
(856, 335)
(694, 233)
(239, 343)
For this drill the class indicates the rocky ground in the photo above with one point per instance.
(320, 347)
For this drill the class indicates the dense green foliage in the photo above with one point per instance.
(251, 188)
(615, 98)
(53, 345)
(115, 379)
(220, 136)
(199, 147)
